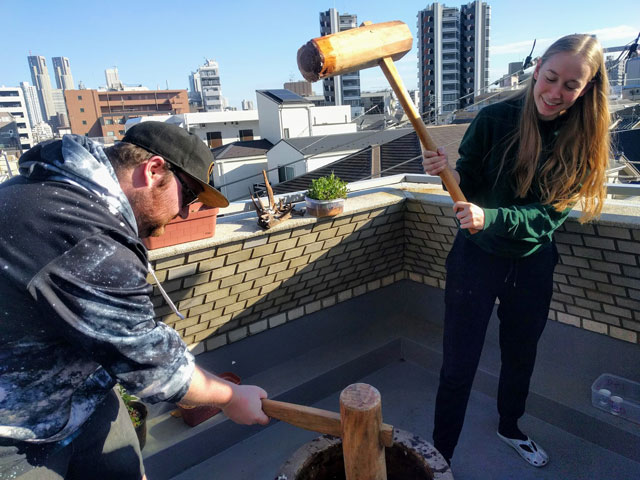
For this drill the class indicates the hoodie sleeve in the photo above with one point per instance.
(97, 295)
(524, 222)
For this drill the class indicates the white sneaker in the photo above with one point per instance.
(528, 450)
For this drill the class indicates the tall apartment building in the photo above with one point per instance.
(62, 72)
(42, 82)
(30, 95)
(113, 79)
(453, 57)
(341, 89)
(12, 102)
(205, 88)
(61, 118)
(96, 113)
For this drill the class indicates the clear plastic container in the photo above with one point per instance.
(617, 395)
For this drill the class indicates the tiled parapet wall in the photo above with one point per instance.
(597, 281)
(597, 284)
(229, 289)
(246, 280)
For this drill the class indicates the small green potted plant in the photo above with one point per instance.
(326, 196)
(138, 414)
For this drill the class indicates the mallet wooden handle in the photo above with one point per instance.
(391, 72)
(315, 419)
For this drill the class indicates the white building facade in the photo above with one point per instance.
(33, 104)
(214, 128)
(205, 87)
(41, 132)
(283, 114)
(12, 102)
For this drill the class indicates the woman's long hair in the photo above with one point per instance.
(576, 168)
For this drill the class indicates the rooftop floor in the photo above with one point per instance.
(391, 339)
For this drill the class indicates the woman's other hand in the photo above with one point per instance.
(469, 215)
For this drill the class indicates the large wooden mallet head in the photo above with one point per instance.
(354, 49)
(363, 47)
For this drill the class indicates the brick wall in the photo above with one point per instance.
(231, 289)
(597, 281)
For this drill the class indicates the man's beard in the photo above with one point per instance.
(150, 223)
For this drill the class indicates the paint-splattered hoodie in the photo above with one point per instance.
(75, 309)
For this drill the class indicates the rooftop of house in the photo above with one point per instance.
(397, 155)
(283, 96)
(343, 141)
(248, 148)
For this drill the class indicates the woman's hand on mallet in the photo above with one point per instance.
(434, 162)
(469, 215)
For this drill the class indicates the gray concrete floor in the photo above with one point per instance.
(408, 395)
(391, 339)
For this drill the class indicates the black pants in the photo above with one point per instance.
(474, 280)
(106, 448)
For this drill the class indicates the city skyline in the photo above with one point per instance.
(252, 51)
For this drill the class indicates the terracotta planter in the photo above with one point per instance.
(324, 208)
(201, 223)
(141, 430)
(193, 416)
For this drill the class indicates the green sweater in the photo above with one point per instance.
(514, 227)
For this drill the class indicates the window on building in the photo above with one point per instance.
(108, 121)
(84, 122)
(121, 132)
(79, 97)
(246, 135)
(285, 173)
(214, 139)
(110, 134)
(81, 110)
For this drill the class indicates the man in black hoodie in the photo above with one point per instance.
(75, 309)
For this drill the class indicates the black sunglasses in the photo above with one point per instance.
(188, 195)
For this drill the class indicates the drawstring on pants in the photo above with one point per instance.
(513, 271)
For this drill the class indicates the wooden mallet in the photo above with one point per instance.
(359, 423)
(363, 47)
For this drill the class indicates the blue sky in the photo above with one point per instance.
(255, 42)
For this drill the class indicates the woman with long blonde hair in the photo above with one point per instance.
(524, 163)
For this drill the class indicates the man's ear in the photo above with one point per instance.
(153, 170)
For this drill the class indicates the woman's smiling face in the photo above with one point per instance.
(560, 81)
